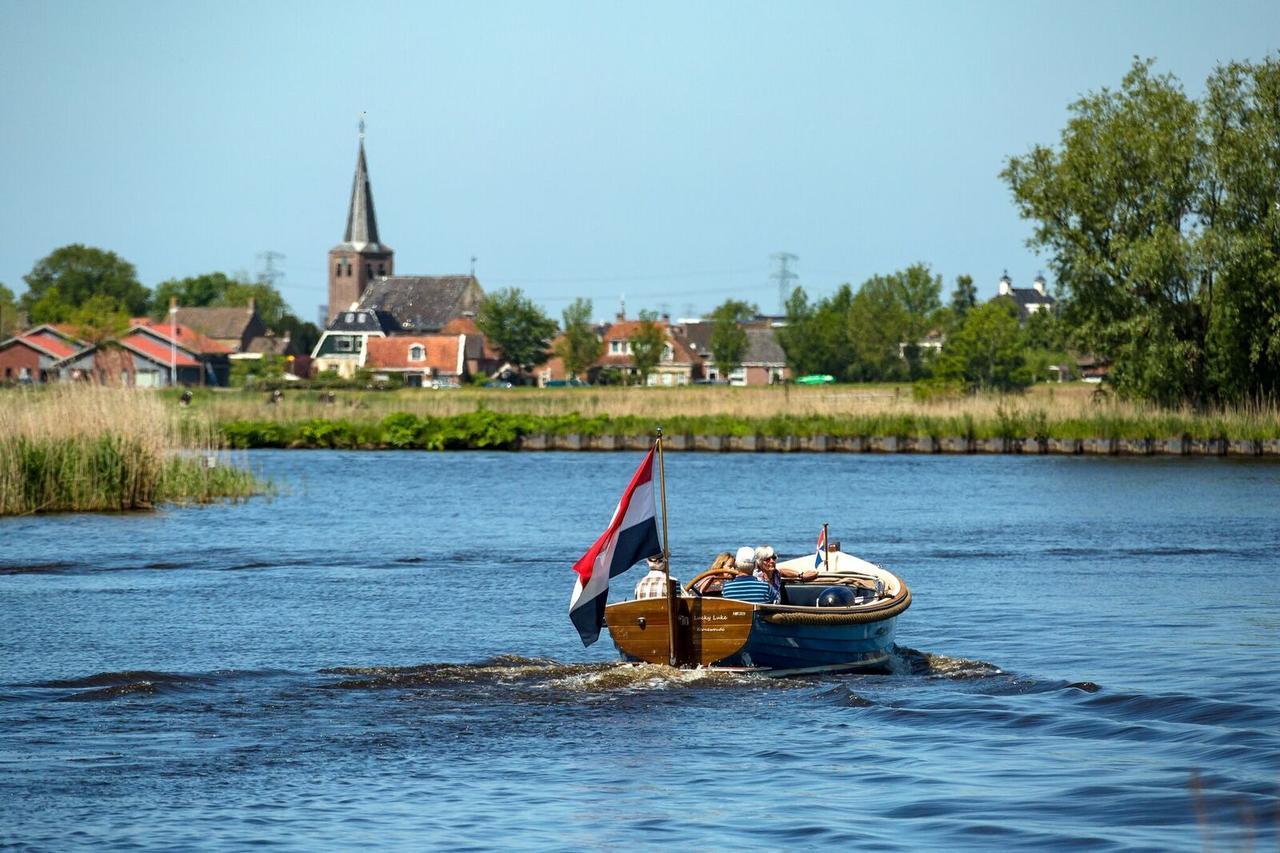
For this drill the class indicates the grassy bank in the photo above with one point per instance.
(88, 449)
(489, 429)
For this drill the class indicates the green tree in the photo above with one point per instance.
(963, 298)
(728, 338)
(516, 327)
(816, 336)
(987, 351)
(70, 276)
(9, 313)
(218, 289)
(1161, 215)
(99, 319)
(877, 327)
(578, 347)
(647, 344)
(888, 318)
(247, 372)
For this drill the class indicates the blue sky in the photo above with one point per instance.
(661, 151)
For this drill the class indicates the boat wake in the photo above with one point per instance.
(905, 661)
(538, 674)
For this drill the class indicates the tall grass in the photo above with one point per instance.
(1068, 411)
(90, 449)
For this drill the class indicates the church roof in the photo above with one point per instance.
(362, 223)
(423, 302)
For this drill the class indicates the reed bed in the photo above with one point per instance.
(1069, 411)
(91, 449)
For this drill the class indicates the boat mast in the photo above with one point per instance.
(666, 555)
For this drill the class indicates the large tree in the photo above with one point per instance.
(728, 338)
(70, 276)
(888, 318)
(987, 352)
(647, 343)
(578, 347)
(816, 336)
(964, 298)
(516, 326)
(1162, 216)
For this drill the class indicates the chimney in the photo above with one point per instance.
(1006, 286)
(1038, 284)
(253, 305)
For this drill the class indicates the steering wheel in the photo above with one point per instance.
(709, 574)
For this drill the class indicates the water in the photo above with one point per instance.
(380, 656)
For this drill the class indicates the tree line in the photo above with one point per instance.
(97, 293)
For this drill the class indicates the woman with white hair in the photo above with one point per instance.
(766, 569)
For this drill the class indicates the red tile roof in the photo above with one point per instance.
(187, 336)
(467, 326)
(50, 342)
(440, 353)
(147, 346)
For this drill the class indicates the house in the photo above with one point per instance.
(34, 355)
(235, 328)
(1028, 299)
(151, 354)
(763, 363)
(421, 361)
(342, 344)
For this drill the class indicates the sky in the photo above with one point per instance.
(657, 152)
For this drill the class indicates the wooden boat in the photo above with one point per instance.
(799, 635)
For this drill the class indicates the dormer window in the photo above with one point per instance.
(416, 353)
(615, 347)
(350, 318)
(668, 353)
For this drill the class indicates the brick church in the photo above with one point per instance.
(419, 328)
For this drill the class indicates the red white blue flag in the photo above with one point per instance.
(822, 547)
(632, 536)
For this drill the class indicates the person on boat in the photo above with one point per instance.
(747, 586)
(766, 560)
(711, 581)
(654, 584)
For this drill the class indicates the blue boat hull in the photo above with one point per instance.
(816, 648)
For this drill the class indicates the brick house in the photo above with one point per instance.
(148, 355)
(33, 356)
(422, 361)
(678, 364)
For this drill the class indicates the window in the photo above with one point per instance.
(615, 347)
(382, 269)
(668, 353)
(348, 267)
(337, 270)
(368, 270)
(342, 344)
(350, 318)
(416, 353)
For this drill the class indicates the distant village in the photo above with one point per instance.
(410, 330)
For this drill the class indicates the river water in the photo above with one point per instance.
(380, 656)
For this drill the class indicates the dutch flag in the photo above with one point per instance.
(822, 547)
(632, 536)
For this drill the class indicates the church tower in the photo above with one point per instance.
(359, 258)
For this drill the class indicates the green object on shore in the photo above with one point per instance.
(816, 379)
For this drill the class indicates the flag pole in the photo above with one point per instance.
(666, 554)
(826, 547)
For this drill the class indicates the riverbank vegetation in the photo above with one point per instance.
(92, 449)
(499, 418)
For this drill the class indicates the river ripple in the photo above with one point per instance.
(380, 655)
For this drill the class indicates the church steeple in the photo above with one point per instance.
(360, 257)
(362, 222)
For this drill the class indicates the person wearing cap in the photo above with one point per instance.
(766, 569)
(654, 584)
